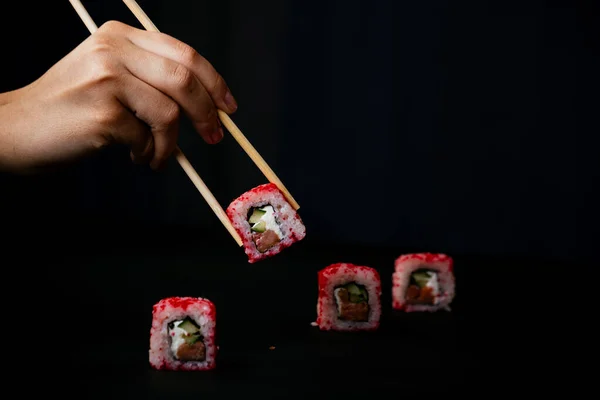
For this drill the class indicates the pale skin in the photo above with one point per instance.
(121, 85)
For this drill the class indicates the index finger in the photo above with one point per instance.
(177, 82)
(169, 47)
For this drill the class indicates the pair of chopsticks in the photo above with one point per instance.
(225, 119)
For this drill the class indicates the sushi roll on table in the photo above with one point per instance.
(349, 298)
(423, 282)
(266, 222)
(182, 336)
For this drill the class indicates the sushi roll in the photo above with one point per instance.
(266, 222)
(349, 298)
(182, 336)
(423, 282)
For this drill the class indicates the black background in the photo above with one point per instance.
(461, 127)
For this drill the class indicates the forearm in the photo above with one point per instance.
(6, 133)
(7, 97)
(4, 98)
(11, 122)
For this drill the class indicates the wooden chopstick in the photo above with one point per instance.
(225, 119)
(181, 158)
(206, 193)
(84, 15)
(256, 157)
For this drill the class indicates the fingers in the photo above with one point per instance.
(161, 115)
(178, 82)
(137, 135)
(175, 50)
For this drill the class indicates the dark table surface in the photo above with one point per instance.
(89, 301)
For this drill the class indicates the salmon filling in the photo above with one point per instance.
(423, 288)
(265, 228)
(186, 340)
(352, 302)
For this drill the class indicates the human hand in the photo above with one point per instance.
(121, 85)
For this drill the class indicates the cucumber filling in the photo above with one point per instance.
(423, 287)
(186, 340)
(264, 226)
(352, 301)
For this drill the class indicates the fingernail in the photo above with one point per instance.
(230, 101)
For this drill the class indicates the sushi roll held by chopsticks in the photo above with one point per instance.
(266, 222)
(182, 336)
(423, 282)
(349, 298)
